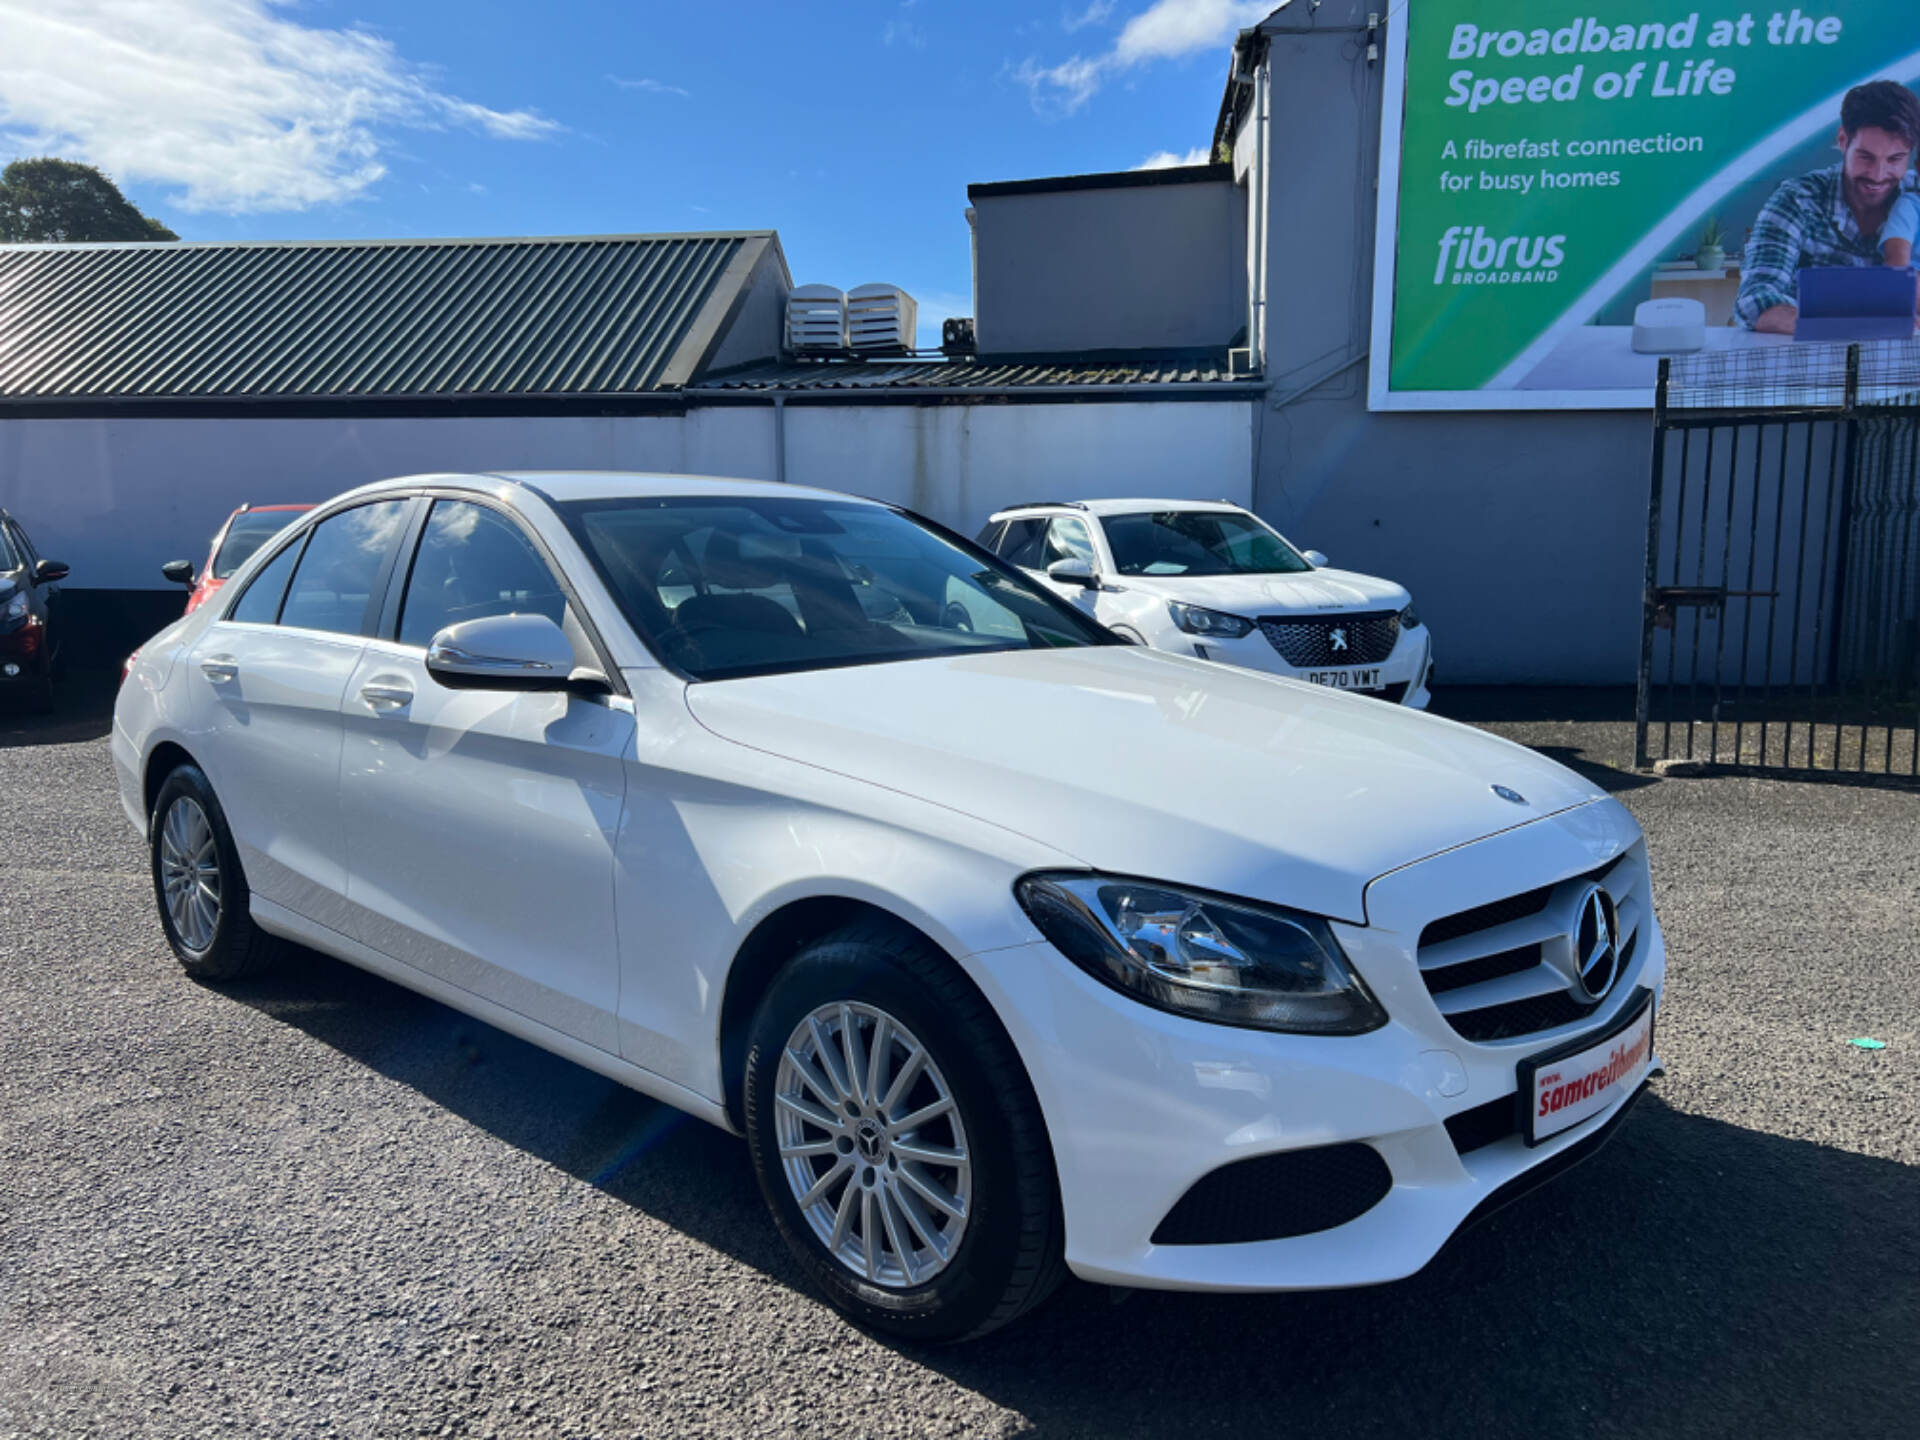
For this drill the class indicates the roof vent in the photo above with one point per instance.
(816, 319)
(880, 319)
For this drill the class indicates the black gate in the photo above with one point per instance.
(1782, 617)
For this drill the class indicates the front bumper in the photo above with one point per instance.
(1140, 1104)
(1403, 674)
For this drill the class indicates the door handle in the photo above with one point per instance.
(220, 669)
(384, 697)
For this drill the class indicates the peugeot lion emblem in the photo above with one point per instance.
(1338, 639)
(1596, 942)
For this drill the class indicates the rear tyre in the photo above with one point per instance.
(898, 1142)
(198, 886)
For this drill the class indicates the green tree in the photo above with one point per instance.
(57, 201)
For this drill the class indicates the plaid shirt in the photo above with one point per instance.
(1806, 222)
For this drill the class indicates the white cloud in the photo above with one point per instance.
(1095, 14)
(650, 85)
(236, 107)
(1167, 159)
(1165, 30)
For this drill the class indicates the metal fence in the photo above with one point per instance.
(1782, 613)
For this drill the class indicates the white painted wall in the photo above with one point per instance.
(118, 498)
(960, 463)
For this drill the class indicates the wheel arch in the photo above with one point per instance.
(165, 758)
(775, 940)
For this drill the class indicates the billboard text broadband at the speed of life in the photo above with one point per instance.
(1548, 167)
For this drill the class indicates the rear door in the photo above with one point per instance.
(481, 823)
(266, 680)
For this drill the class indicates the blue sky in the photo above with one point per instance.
(853, 129)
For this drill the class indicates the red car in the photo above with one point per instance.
(246, 530)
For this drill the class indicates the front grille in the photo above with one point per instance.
(1474, 972)
(1485, 917)
(1500, 971)
(1275, 1197)
(1521, 1017)
(1324, 641)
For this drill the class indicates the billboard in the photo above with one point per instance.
(1549, 167)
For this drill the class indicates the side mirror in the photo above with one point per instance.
(1315, 559)
(180, 572)
(1073, 571)
(503, 652)
(48, 571)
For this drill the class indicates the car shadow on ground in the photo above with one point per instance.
(1756, 1285)
(82, 710)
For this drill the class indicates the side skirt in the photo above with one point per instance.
(278, 920)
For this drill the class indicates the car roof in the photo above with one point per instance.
(562, 486)
(1116, 507)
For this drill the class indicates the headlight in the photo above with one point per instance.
(16, 607)
(1201, 956)
(1409, 618)
(1196, 621)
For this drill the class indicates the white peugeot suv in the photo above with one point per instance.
(1011, 949)
(1207, 578)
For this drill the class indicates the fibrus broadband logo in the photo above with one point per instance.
(1473, 257)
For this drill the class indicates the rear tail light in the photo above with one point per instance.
(126, 667)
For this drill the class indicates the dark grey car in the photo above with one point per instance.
(29, 609)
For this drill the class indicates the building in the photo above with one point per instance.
(1198, 331)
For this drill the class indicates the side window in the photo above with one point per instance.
(1067, 539)
(259, 604)
(986, 538)
(333, 587)
(1021, 544)
(474, 562)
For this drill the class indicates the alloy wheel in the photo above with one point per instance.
(190, 874)
(873, 1145)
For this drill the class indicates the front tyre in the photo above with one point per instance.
(898, 1142)
(197, 883)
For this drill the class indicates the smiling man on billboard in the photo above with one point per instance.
(1834, 216)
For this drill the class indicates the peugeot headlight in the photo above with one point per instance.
(16, 607)
(1197, 621)
(1409, 618)
(1201, 956)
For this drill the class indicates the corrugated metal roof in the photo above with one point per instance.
(817, 375)
(608, 315)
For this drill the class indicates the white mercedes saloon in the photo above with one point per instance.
(1206, 578)
(1011, 949)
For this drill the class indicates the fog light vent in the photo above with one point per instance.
(1273, 1197)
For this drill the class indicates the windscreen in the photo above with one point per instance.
(249, 531)
(731, 586)
(1198, 542)
(9, 559)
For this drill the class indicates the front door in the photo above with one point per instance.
(1067, 539)
(481, 823)
(271, 673)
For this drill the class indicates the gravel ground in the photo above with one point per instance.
(320, 1205)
